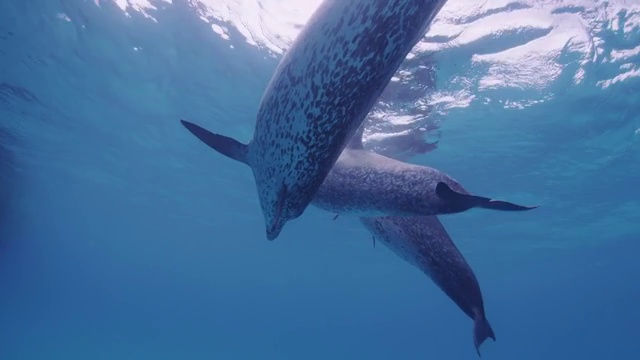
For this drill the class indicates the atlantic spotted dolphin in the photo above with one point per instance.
(365, 183)
(318, 96)
(423, 242)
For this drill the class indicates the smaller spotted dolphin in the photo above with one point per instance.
(423, 242)
(364, 183)
(320, 93)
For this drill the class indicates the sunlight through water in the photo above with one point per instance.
(510, 53)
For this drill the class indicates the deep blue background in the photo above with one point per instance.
(123, 238)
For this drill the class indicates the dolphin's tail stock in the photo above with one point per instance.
(481, 330)
(462, 202)
(225, 145)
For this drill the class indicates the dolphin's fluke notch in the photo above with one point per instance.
(461, 202)
(224, 145)
(481, 331)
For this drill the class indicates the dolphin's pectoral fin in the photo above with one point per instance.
(336, 216)
(222, 144)
(374, 240)
(462, 202)
(481, 331)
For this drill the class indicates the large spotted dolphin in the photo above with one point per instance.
(365, 183)
(423, 242)
(319, 94)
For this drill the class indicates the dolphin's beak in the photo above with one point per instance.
(274, 230)
(277, 224)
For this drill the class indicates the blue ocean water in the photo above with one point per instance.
(122, 237)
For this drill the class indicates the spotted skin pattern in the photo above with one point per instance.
(423, 242)
(321, 92)
(364, 183)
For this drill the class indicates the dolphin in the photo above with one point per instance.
(423, 242)
(319, 94)
(365, 183)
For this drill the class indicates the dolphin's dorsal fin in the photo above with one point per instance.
(356, 140)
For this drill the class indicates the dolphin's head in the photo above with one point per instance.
(275, 221)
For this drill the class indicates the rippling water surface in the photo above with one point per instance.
(122, 237)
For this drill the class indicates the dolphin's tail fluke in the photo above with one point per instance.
(222, 144)
(462, 202)
(481, 330)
